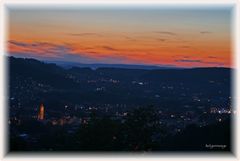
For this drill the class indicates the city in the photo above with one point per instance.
(175, 103)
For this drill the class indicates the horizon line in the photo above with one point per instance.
(146, 65)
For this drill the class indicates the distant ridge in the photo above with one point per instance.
(70, 65)
(96, 66)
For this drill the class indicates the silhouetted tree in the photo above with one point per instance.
(140, 128)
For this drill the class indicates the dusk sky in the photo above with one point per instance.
(168, 36)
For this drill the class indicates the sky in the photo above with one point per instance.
(151, 35)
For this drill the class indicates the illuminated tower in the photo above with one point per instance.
(41, 112)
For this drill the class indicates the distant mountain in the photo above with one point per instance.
(52, 83)
(117, 71)
(68, 65)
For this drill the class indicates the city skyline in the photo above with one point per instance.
(164, 36)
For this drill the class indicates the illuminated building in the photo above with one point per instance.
(41, 112)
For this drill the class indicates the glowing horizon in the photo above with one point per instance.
(181, 37)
